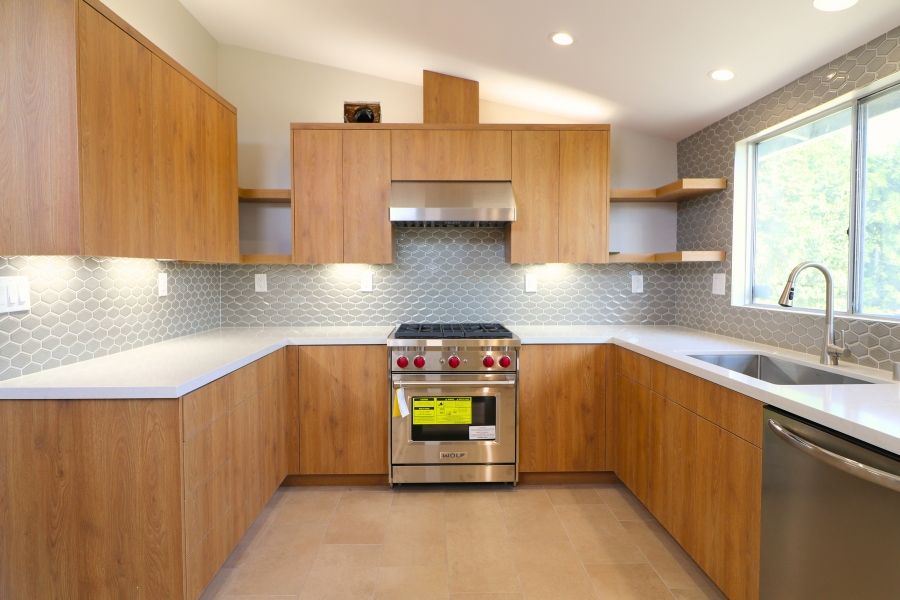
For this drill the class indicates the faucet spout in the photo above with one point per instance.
(830, 350)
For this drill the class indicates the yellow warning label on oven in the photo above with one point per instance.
(442, 410)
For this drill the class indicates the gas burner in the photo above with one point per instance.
(452, 331)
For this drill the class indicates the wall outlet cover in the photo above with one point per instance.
(162, 284)
(531, 283)
(260, 282)
(637, 283)
(367, 281)
(15, 294)
(718, 284)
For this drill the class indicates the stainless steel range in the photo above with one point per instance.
(455, 403)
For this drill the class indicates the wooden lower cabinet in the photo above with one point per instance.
(684, 448)
(344, 403)
(562, 408)
(139, 498)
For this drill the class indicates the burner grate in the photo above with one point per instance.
(452, 331)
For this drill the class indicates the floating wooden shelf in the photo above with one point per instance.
(265, 259)
(264, 195)
(683, 256)
(671, 192)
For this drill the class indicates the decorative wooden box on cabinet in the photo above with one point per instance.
(118, 152)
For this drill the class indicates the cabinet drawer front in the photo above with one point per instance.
(437, 155)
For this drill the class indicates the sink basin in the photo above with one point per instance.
(776, 370)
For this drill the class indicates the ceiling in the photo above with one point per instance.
(641, 63)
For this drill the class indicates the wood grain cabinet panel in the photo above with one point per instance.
(366, 186)
(583, 196)
(534, 236)
(318, 197)
(120, 152)
(562, 408)
(344, 403)
(450, 155)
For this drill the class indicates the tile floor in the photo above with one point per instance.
(458, 543)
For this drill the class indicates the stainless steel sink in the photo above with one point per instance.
(776, 370)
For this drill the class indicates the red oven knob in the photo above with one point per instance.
(402, 362)
(419, 361)
(453, 361)
(488, 361)
(505, 362)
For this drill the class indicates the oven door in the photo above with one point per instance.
(454, 419)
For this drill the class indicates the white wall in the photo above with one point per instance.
(170, 26)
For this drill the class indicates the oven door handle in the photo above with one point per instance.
(402, 384)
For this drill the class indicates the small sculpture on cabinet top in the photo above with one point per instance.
(362, 112)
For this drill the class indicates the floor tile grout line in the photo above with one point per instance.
(571, 543)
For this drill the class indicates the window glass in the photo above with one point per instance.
(880, 213)
(802, 210)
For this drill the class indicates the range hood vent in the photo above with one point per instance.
(454, 202)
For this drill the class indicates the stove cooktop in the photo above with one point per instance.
(452, 331)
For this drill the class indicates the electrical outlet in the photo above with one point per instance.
(15, 294)
(531, 283)
(162, 284)
(718, 284)
(367, 281)
(260, 282)
(637, 283)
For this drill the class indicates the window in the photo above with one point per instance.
(828, 190)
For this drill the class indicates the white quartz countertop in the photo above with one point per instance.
(176, 367)
(179, 366)
(870, 412)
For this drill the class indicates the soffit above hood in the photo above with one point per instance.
(439, 201)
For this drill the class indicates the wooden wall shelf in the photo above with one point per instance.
(265, 259)
(264, 195)
(682, 189)
(683, 256)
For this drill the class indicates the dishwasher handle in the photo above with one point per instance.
(842, 463)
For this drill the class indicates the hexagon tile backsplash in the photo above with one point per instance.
(706, 222)
(87, 307)
(447, 274)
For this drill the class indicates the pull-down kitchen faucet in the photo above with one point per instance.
(830, 350)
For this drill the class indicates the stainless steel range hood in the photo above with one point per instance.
(457, 201)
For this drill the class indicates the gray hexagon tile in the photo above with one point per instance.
(88, 307)
(447, 274)
(707, 221)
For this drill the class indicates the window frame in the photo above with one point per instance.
(745, 195)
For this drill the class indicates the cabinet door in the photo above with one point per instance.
(562, 408)
(118, 210)
(534, 236)
(633, 449)
(317, 196)
(366, 187)
(450, 155)
(219, 228)
(583, 196)
(344, 403)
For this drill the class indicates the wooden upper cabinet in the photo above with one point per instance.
(450, 155)
(97, 156)
(341, 193)
(583, 196)
(534, 236)
(366, 184)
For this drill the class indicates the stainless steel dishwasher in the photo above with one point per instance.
(830, 514)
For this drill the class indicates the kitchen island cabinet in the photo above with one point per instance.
(139, 497)
(562, 408)
(95, 114)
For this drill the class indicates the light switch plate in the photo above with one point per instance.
(260, 282)
(531, 283)
(367, 281)
(637, 283)
(162, 284)
(15, 294)
(718, 284)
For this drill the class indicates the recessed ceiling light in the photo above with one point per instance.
(561, 38)
(721, 75)
(833, 5)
